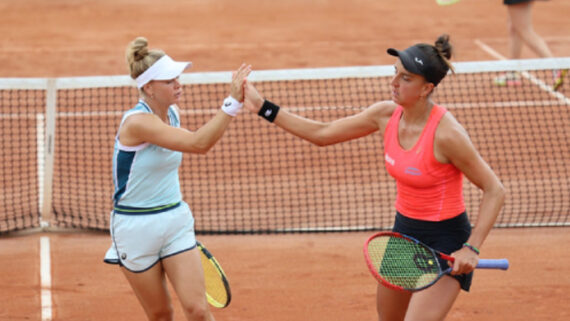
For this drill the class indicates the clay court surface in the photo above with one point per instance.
(286, 277)
(309, 277)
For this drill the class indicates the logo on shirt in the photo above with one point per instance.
(412, 171)
(389, 159)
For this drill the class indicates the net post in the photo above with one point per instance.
(48, 154)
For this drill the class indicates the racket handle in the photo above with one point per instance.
(502, 264)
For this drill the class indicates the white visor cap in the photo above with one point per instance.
(163, 69)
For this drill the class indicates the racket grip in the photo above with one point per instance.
(502, 264)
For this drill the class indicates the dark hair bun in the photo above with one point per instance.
(443, 46)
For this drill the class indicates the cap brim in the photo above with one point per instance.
(163, 69)
(393, 52)
(406, 59)
(172, 70)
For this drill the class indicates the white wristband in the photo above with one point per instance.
(231, 106)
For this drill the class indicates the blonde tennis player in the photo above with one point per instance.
(427, 152)
(152, 228)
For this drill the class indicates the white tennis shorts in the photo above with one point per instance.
(141, 241)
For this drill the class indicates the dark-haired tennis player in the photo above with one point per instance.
(427, 151)
(152, 228)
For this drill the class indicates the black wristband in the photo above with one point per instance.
(268, 111)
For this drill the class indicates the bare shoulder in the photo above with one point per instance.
(139, 120)
(383, 108)
(450, 129)
(141, 127)
(451, 139)
(381, 112)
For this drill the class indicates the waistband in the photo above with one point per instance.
(453, 222)
(130, 210)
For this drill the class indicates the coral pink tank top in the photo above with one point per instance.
(427, 189)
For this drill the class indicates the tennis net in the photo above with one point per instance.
(58, 139)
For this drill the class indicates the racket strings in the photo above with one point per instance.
(216, 289)
(403, 263)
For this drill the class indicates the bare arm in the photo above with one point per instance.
(320, 133)
(141, 128)
(151, 129)
(454, 145)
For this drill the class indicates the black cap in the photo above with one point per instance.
(416, 62)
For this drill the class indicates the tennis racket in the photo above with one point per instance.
(403, 263)
(446, 2)
(217, 285)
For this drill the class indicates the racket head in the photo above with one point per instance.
(401, 262)
(446, 2)
(218, 291)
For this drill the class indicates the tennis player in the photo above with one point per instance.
(152, 228)
(521, 32)
(427, 151)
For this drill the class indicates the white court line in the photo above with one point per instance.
(525, 74)
(45, 278)
(546, 38)
(489, 50)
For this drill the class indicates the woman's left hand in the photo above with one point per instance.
(238, 78)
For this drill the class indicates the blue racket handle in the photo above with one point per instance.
(502, 264)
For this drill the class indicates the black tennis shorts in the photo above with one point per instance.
(445, 236)
(508, 2)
